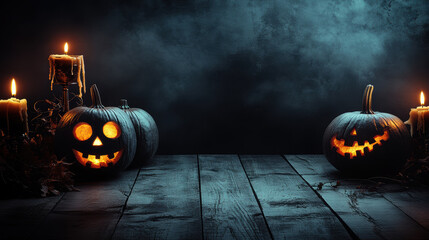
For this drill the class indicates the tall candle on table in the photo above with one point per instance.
(67, 69)
(13, 114)
(419, 119)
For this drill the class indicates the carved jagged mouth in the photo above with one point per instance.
(98, 161)
(342, 149)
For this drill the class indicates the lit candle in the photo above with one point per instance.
(419, 119)
(67, 69)
(13, 114)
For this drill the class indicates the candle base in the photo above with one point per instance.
(420, 147)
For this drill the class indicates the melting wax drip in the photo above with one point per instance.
(81, 70)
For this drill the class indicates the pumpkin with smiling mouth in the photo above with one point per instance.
(83, 131)
(366, 142)
(101, 139)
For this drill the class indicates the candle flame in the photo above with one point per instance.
(13, 87)
(66, 48)
(422, 98)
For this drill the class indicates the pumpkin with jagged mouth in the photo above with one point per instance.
(100, 139)
(353, 150)
(366, 142)
(97, 159)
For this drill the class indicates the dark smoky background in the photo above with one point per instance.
(228, 76)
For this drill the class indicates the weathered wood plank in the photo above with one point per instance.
(291, 208)
(368, 214)
(165, 201)
(413, 202)
(91, 213)
(229, 207)
(314, 165)
(21, 217)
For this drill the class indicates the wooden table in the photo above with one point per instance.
(225, 197)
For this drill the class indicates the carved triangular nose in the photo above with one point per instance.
(97, 142)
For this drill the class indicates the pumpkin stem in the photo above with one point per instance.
(95, 97)
(367, 100)
(124, 104)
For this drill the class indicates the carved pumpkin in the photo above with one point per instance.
(101, 139)
(366, 142)
(146, 132)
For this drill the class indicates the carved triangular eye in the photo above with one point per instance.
(353, 133)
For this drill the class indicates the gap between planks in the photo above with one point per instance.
(256, 197)
(229, 207)
(347, 227)
(291, 209)
(386, 220)
(165, 201)
(199, 192)
(125, 204)
(91, 212)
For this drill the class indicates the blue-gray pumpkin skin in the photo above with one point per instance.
(146, 132)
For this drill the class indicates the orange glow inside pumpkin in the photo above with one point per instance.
(342, 149)
(82, 131)
(94, 161)
(111, 130)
